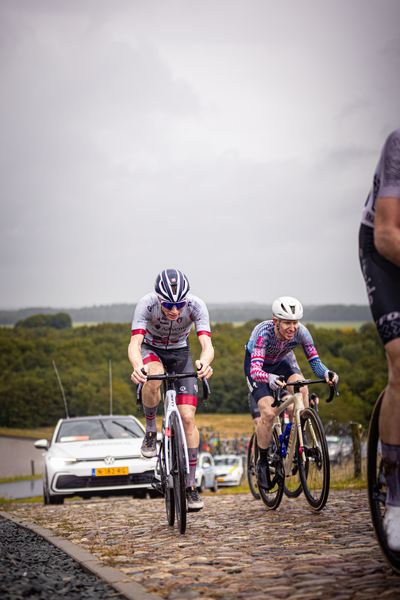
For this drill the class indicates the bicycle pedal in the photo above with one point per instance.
(157, 485)
(190, 510)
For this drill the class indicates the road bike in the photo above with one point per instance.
(304, 455)
(173, 461)
(292, 486)
(376, 483)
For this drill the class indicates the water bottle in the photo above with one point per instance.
(284, 439)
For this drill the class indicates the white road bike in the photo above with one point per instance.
(173, 462)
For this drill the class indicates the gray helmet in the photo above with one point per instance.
(287, 308)
(171, 285)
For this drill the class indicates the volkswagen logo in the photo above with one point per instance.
(109, 460)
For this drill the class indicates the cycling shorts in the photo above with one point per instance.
(254, 410)
(285, 367)
(178, 361)
(382, 279)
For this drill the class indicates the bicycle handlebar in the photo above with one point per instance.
(170, 378)
(301, 383)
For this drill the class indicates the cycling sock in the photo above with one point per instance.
(263, 455)
(390, 467)
(191, 480)
(150, 414)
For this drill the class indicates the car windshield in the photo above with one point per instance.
(98, 429)
(226, 461)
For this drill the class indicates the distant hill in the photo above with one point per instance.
(219, 313)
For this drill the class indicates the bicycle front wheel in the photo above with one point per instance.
(252, 457)
(273, 497)
(292, 488)
(178, 472)
(315, 468)
(377, 487)
(168, 492)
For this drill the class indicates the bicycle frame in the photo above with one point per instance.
(295, 431)
(170, 407)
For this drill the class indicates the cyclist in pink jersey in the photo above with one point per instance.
(160, 330)
(269, 356)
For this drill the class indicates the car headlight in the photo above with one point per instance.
(61, 462)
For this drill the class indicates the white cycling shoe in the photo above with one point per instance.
(392, 527)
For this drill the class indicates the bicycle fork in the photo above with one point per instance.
(171, 407)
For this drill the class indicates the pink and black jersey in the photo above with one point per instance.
(160, 332)
(266, 348)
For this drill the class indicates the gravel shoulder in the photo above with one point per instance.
(233, 549)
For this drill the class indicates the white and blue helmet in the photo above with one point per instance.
(171, 285)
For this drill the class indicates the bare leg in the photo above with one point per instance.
(389, 420)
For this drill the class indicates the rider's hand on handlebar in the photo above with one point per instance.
(331, 380)
(138, 376)
(204, 370)
(274, 381)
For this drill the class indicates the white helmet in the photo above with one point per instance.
(287, 308)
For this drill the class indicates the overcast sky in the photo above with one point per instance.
(233, 139)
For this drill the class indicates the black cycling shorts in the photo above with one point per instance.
(175, 361)
(382, 280)
(253, 406)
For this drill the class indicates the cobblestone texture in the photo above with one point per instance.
(234, 548)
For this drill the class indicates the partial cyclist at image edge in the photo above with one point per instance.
(269, 356)
(160, 341)
(379, 253)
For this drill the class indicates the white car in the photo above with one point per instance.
(96, 456)
(334, 448)
(206, 476)
(229, 468)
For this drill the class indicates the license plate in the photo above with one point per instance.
(110, 471)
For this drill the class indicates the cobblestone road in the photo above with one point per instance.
(233, 549)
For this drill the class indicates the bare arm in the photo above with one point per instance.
(206, 356)
(135, 357)
(387, 229)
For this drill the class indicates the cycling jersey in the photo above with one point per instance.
(160, 332)
(382, 277)
(266, 349)
(386, 183)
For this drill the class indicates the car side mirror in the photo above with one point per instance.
(42, 444)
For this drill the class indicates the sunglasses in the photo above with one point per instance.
(170, 305)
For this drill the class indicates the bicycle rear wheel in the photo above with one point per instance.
(273, 497)
(178, 472)
(377, 487)
(252, 457)
(315, 471)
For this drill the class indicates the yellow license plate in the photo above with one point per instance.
(110, 471)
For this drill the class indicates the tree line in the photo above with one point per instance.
(219, 313)
(30, 395)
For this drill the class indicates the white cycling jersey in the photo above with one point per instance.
(160, 332)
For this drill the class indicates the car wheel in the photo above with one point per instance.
(56, 499)
(215, 486)
(202, 487)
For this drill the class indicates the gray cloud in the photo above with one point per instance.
(236, 140)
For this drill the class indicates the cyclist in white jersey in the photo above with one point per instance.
(379, 243)
(269, 356)
(160, 330)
